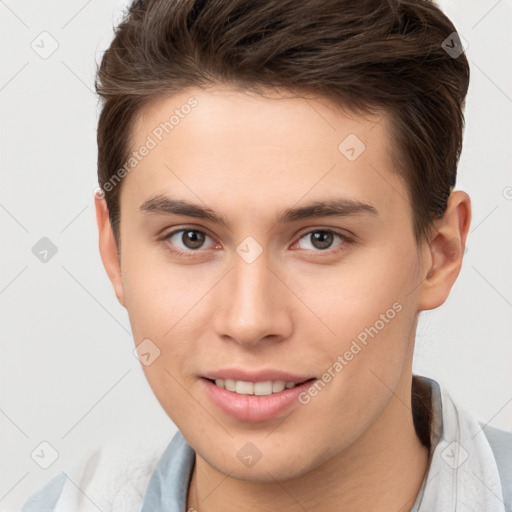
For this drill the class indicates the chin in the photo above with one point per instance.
(267, 463)
(264, 472)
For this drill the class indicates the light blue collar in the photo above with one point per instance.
(168, 487)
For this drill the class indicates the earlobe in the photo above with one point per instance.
(108, 248)
(445, 251)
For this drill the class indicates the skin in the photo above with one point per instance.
(297, 307)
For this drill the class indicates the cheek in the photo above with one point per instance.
(159, 294)
(170, 305)
(160, 303)
(370, 309)
(351, 297)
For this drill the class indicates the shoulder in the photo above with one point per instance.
(501, 445)
(113, 477)
(457, 437)
(500, 441)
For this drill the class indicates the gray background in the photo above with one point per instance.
(68, 375)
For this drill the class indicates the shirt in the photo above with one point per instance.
(470, 470)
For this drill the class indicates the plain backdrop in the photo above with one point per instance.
(68, 375)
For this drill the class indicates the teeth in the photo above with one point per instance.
(229, 384)
(278, 385)
(254, 388)
(244, 388)
(263, 388)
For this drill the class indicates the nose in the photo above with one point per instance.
(254, 305)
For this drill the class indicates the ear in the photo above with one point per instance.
(445, 251)
(108, 247)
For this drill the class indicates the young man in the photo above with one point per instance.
(277, 208)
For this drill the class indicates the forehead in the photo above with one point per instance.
(240, 149)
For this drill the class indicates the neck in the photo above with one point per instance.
(382, 470)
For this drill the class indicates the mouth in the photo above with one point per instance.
(253, 402)
(264, 388)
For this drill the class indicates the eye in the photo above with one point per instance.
(188, 240)
(322, 240)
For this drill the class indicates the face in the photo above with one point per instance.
(267, 242)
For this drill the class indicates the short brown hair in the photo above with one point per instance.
(363, 55)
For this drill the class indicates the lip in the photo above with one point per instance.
(254, 408)
(256, 376)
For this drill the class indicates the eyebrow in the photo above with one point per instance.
(335, 207)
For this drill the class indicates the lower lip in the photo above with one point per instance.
(254, 408)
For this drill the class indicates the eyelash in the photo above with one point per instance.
(345, 240)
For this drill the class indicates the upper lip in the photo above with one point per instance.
(256, 376)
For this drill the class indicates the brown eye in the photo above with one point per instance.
(320, 239)
(188, 240)
(193, 239)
